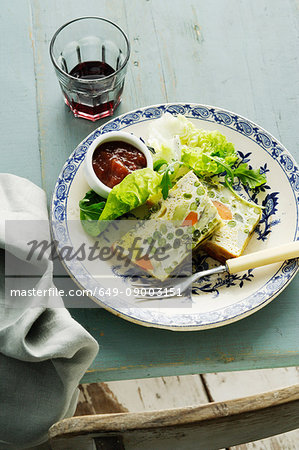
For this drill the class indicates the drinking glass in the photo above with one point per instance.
(90, 56)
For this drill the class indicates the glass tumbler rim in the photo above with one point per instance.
(95, 80)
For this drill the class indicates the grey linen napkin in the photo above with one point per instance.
(43, 351)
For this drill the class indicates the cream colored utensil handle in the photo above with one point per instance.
(263, 257)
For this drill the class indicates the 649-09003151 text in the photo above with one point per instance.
(97, 291)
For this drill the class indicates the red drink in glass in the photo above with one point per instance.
(90, 56)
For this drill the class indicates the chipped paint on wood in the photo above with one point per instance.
(144, 395)
(198, 34)
(98, 398)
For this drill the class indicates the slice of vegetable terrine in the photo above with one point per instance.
(240, 218)
(177, 224)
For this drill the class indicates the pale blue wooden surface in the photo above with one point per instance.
(269, 338)
(237, 54)
(18, 119)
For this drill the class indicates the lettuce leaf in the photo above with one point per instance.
(207, 153)
(132, 191)
(91, 207)
(176, 138)
(211, 154)
(164, 137)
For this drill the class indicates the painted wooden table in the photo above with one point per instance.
(239, 55)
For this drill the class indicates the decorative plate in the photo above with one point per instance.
(217, 300)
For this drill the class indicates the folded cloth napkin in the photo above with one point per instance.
(43, 351)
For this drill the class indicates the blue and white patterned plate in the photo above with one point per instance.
(217, 300)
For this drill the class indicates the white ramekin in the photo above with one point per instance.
(94, 182)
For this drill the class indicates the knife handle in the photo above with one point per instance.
(263, 257)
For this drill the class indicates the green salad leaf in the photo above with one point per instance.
(91, 207)
(170, 174)
(207, 165)
(160, 163)
(207, 153)
(132, 191)
(249, 177)
(211, 154)
(166, 183)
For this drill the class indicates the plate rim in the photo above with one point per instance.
(216, 109)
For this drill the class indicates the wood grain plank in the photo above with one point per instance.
(228, 385)
(275, 58)
(145, 81)
(141, 395)
(211, 425)
(19, 129)
(173, 392)
(224, 386)
(230, 54)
